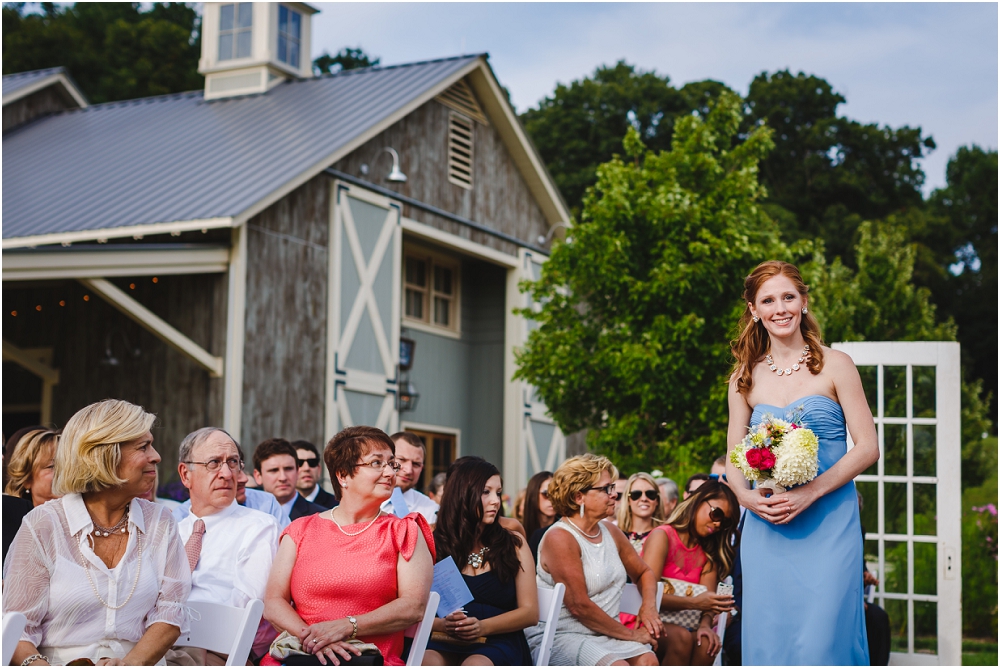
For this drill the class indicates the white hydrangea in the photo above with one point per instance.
(797, 458)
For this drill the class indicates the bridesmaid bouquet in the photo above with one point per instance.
(778, 454)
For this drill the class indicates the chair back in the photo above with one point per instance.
(224, 629)
(870, 589)
(13, 627)
(549, 604)
(720, 627)
(632, 598)
(421, 632)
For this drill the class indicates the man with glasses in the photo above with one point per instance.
(276, 469)
(229, 547)
(311, 475)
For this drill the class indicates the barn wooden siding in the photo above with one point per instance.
(40, 103)
(499, 197)
(285, 349)
(160, 379)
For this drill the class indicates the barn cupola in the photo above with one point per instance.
(248, 47)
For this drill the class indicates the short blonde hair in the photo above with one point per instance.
(575, 475)
(22, 459)
(89, 451)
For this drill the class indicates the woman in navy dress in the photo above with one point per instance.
(802, 549)
(497, 566)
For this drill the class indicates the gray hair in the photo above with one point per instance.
(197, 437)
(668, 488)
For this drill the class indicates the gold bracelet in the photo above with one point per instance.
(354, 623)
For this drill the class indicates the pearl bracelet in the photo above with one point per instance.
(34, 657)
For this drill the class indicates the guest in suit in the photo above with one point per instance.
(276, 469)
(311, 475)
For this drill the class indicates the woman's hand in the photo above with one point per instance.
(643, 636)
(788, 505)
(317, 637)
(461, 626)
(107, 661)
(336, 652)
(705, 635)
(649, 619)
(713, 603)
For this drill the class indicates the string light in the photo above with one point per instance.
(38, 308)
(131, 286)
(14, 313)
(62, 302)
(155, 279)
(86, 298)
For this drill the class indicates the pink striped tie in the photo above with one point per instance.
(193, 546)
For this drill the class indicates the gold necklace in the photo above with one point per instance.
(788, 370)
(333, 516)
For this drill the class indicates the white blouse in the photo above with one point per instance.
(53, 577)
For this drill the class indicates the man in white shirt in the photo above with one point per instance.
(410, 453)
(229, 547)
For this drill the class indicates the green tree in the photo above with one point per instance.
(635, 305)
(114, 51)
(346, 59)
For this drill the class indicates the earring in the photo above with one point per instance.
(581, 510)
(804, 310)
(756, 319)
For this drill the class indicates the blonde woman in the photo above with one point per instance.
(31, 465)
(641, 510)
(593, 560)
(99, 573)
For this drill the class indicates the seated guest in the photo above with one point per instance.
(377, 585)
(640, 513)
(436, 488)
(410, 453)
(718, 467)
(538, 512)
(669, 495)
(496, 565)
(696, 546)
(311, 476)
(619, 495)
(229, 548)
(694, 482)
(276, 469)
(30, 462)
(593, 560)
(99, 573)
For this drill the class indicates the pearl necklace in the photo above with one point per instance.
(584, 533)
(476, 558)
(138, 571)
(786, 371)
(333, 516)
(100, 531)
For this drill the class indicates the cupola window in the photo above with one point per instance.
(235, 30)
(289, 35)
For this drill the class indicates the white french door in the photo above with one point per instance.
(912, 495)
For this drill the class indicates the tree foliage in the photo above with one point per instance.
(114, 51)
(346, 59)
(637, 302)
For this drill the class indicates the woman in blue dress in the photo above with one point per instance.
(802, 549)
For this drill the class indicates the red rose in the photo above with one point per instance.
(753, 457)
(767, 460)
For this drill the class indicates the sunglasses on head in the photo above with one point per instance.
(717, 515)
(651, 494)
(311, 462)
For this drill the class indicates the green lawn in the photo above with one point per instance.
(979, 652)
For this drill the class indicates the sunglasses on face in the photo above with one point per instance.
(716, 477)
(651, 494)
(312, 462)
(717, 515)
(544, 493)
(608, 489)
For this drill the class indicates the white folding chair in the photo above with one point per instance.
(632, 599)
(720, 627)
(13, 626)
(549, 603)
(421, 632)
(224, 629)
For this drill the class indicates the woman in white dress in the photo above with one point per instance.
(99, 573)
(593, 559)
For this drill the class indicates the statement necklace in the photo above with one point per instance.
(138, 571)
(584, 533)
(786, 371)
(333, 516)
(476, 558)
(100, 531)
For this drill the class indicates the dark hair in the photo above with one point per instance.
(305, 445)
(271, 447)
(532, 516)
(696, 476)
(719, 547)
(411, 438)
(460, 521)
(347, 448)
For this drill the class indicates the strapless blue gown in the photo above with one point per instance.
(803, 598)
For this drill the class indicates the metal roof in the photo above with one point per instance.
(14, 82)
(179, 158)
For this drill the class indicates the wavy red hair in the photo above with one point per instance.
(753, 341)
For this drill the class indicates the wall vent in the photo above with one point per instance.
(461, 98)
(228, 83)
(460, 135)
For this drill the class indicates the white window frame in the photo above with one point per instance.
(289, 38)
(433, 259)
(234, 31)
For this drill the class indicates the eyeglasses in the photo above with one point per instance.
(651, 494)
(715, 477)
(378, 465)
(544, 493)
(311, 462)
(717, 515)
(608, 489)
(213, 465)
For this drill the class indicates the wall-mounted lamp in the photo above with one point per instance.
(546, 238)
(395, 174)
(408, 396)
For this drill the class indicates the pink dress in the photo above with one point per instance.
(683, 563)
(336, 575)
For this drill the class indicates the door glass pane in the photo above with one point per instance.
(923, 391)
(868, 492)
(924, 627)
(895, 507)
(897, 625)
(869, 380)
(924, 510)
(894, 579)
(894, 384)
(924, 449)
(925, 568)
(895, 449)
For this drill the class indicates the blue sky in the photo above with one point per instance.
(932, 65)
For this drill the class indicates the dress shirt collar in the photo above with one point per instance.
(214, 518)
(311, 496)
(287, 507)
(79, 519)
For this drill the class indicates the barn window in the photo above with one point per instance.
(235, 30)
(430, 291)
(289, 35)
(460, 150)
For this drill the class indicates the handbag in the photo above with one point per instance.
(287, 649)
(689, 619)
